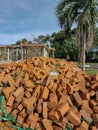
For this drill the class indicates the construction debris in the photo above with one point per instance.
(47, 94)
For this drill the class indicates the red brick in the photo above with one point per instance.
(45, 93)
(85, 114)
(63, 109)
(39, 106)
(94, 85)
(34, 121)
(47, 124)
(18, 91)
(45, 110)
(10, 101)
(84, 126)
(72, 117)
(77, 98)
(96, 95)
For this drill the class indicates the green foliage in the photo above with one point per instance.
(84, 13)
(65, 45)
(23, 41)
(92, 71)
(39, 39)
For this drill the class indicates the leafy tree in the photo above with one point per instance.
(84, 13)
(65, 46)
(23, 41)
(39, 39)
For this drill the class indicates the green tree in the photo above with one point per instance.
(39, 39)
(23, 41)
(84, 13)
(64, 46)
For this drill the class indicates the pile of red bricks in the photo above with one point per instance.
(49, 94)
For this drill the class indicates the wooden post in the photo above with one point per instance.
(16, 53)
(25, 53)
(53, 53)
(22, 53)
(8, 54)
(45, 53)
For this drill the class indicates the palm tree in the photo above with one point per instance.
(83, 14)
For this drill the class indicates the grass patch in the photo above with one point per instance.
(92, 71)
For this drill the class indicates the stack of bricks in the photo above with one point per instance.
(49, 94)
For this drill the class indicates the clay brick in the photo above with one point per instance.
(93, 103)
(23, 113)
(26, 77)
(39, 106)
(77, 98)
(96, 77)
(17, 81)
(53, 115)
(69, 100)
(28, 103)
(92, 93)
(93, 128)
(64, 120)
(29, 84)
(74, 109)
(95, 109)
(50, 85)
(83, 126)
(20, 119)
(70, 89)
(72, 117)
(60, 89)
(47, 124)
(6, 128)
(45, 93)
(54, 88)
(93, 86)
(19, 98)
(20, 107)
(62, 99)
(14, 113)
(30, 119)
(87, 96)
(55, 127)
(6, 78)
(27, 94)
(96, 95)
(18, 92)
(69, 74)
(25, 125)
(38, 126)
(8, 109)
(53, 98)
(95, 118)
(43, 77)
(8, 90)
(85, 114)
(96, 124)
(45, 110)
(36, 92)
(10, 101)
(2, 74)
(86, 107)
(34, 121)
(81, 86)
(24, 67)
(63, 109)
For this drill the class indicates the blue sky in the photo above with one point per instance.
(26, 19)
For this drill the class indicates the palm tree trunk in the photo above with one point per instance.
(84, 50)
(84, 58)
